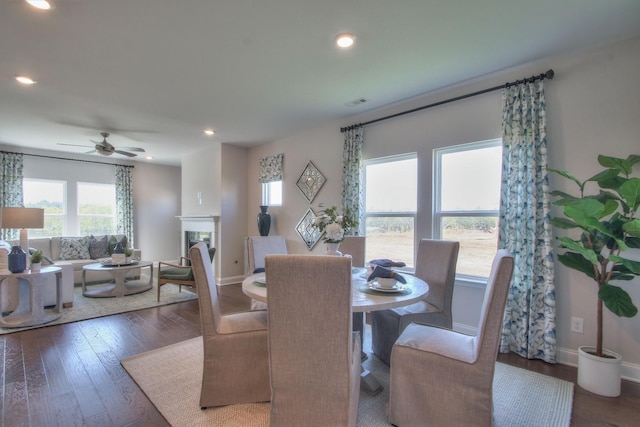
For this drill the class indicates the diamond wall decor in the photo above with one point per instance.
(310, 181)
(307, 232)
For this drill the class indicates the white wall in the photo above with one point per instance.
(593, 107)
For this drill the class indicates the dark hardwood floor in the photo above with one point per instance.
(70, 374)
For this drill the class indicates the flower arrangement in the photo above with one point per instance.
(334, 224)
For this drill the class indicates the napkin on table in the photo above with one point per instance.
(385, 273)
(387, 263)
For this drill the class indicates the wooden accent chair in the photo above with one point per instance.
(436, 265)
(236, 356)
(314, 355)
(441, 377)
(178, 274)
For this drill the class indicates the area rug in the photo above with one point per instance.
(171, 378)
(88, 308)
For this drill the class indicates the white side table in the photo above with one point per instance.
(30, 310)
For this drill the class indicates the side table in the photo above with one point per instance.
(30, 310)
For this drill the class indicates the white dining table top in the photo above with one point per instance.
(362, 301)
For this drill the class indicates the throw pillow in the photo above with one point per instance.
(113, 241)
(98, 247)
(74, 248)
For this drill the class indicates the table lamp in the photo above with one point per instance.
(23, 218)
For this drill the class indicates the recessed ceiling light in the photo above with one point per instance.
(209, 132)
(25, 80)
(40, 4)
(149, 158)
(345, 40)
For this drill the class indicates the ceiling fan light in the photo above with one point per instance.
(25, 80)
(345, 40)
(40, 4)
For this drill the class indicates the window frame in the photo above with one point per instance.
(65, 211)
(438, 214)
(79, 215)
(266, 193)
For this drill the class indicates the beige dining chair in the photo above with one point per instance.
(435, 264)
(441, 377)
(236, 355)
(257, 247)
(314, 355)
(356, 247)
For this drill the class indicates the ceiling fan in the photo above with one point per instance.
(105, 149)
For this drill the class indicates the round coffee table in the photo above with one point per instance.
(120, 286)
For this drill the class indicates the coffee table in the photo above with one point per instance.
(120, 286)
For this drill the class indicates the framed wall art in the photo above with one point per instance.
(310, 182)
(307, 232)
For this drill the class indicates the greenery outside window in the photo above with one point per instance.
(51, 196)
(96, 208)
(390, 189)
(467, 202)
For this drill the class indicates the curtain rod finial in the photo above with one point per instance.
(549, 74)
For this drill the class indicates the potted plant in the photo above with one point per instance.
(128, 252)
(609, 226)
(36, 261)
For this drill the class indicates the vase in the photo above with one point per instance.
(599, 375)
(264, 221)
(17, 260)
(332, 249)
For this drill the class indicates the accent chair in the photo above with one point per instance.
(178, 274)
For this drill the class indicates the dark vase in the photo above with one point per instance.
(17, 260)
(264, 221)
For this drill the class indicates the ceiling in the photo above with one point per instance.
(155, 73)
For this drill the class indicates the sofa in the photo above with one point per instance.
(71, 254)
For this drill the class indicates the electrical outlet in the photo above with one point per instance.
(577, 325)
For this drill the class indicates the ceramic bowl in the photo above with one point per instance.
(386, 282)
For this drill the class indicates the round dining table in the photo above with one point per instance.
(365, 298)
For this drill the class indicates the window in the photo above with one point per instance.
(391, 185)
(51, 196)
(467, 202)
(96, 208)
(272, 193)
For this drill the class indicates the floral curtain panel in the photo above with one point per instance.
(351, 169)
(124, 203)
(11, 186)
(525, 230)
(271, 168)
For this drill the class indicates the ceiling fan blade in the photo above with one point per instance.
(73, 145)
(136, 149)
(125, 153)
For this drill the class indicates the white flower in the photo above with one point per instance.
(334, 231)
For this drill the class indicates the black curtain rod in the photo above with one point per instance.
(71, 160)
(548, 75)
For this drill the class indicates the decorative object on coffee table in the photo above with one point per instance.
(310, 182)
(264, 221)
(36, 261)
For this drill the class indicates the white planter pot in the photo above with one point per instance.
(599, 375)
(36, 267)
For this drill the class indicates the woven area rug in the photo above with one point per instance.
(171, 378)
(88, 308)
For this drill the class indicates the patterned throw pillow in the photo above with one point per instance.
(113, 241)
(98, 247)
(74, 248)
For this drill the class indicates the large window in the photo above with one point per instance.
(467, 202)
(96, 208)
(272, 193)
(391, 185)
(51, 196)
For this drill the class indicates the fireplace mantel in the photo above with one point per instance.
(204, 223)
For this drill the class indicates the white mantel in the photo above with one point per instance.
(204, 223)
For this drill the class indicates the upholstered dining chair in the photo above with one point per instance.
(236, 356)
(179, 274)
(314, 355)
(257, 247)
(435, 264)
(441, 377)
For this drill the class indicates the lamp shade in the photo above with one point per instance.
(22, 218)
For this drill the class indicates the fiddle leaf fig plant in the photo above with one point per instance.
(608, 227)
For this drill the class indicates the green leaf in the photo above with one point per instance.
(564, 197)
(563, 223)
(615, 163)
(632, 228)
(630, 192)
(633, 266)
(584, 210)
(617, 300)
(633, 159)
(605, 175)
(577, 262)
(567, 175)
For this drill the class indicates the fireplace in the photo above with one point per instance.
(196, 229)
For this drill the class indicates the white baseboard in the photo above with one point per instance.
(222, 281)
(630, 371)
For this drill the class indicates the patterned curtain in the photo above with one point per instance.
(124, 203)
(271, 168)
(11, 187)
(351, 168)
(529, 325)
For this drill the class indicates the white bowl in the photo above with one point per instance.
(386, 283)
